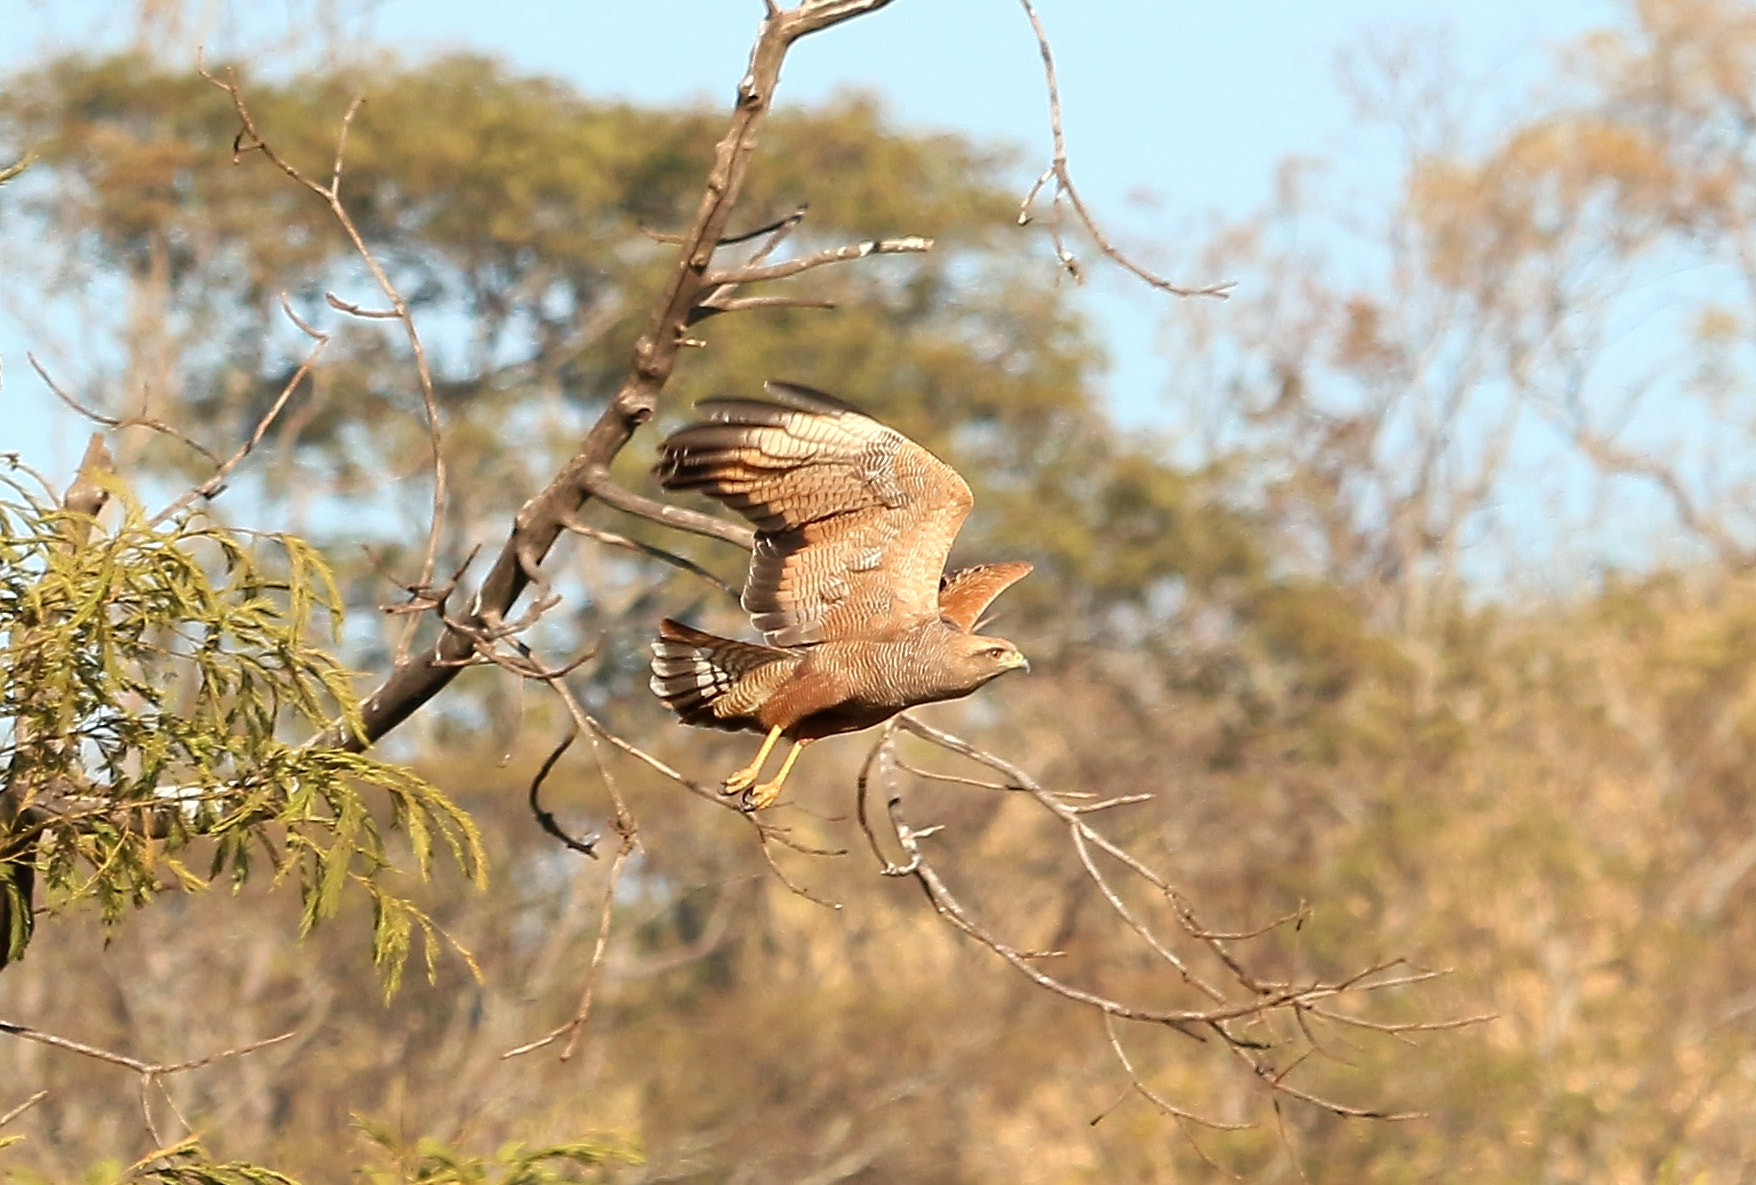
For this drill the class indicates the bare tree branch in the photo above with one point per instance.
(151, 1073)
(249, 139)
(542, 520)
(28, 1103)
(911, 244)
(214, 484)
(1147, 1093)
(546, 820)
(118, 422)
(1062, 176)
(1261, 999)
(681, 563)
(599, 485)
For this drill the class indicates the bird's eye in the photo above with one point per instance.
(996, 652)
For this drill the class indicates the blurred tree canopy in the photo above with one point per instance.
(1543, 785)
(515, 214)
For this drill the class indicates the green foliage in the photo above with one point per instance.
(147, 675)
(186, 1163)
(429, 1161)
(435, 1163)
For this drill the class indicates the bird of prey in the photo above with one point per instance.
(853, 525)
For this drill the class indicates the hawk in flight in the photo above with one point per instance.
(847, 580)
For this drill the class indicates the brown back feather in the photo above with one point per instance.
(853, 519)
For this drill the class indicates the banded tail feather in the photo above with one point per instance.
(714, 682)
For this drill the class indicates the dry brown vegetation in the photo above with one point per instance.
(1441, 656)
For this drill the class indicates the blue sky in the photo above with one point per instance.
(1191, 103)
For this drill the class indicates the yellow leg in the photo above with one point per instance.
(746, 777)
(765, 794)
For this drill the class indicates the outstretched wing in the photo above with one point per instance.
(965, 594)
(853, 519)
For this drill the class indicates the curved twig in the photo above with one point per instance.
(1062, 176)
(545, 819)
(211, 488)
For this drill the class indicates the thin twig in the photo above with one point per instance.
(1141, 1088)
(546, 820)
(150, 1073)
(1062, 176)
(681, 563)
(714, 306)
(118, 422)
(907, 245)
(249, 139)
(763, 835)
(1264, 998)
(572, 1028)
(28, 1103)
(210, 488)
(157, 1069)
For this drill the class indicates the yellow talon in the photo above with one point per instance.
(764, 795)
(746, 777)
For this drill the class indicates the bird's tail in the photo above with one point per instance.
(699, 675)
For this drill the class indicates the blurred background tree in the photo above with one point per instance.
(1430, 609)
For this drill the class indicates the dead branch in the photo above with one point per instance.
(544, 517)
(525, 665)
(118, 422)
(1261, 998)
(681, 563)
(211, 488)
(722, 285)
(768, 832)
(598, 484)
(28, 1103)
(1140, 1087)
(910, 244)
(572, 1029)
(546, 820)
(713, 306)
(150, 1073)
(1064, 190)
(249, 139)
(779, 228)
(353, 310)
(626, 828)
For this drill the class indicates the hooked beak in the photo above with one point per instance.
(1019, 662)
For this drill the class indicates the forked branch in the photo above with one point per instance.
(1058, 178)
(250, 139)
(150, 1074)
(544, 518)
(1238, 997)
